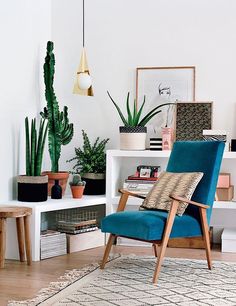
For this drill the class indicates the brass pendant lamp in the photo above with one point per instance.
(83, 83)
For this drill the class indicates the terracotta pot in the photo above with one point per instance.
(77, 191)
(61, 176)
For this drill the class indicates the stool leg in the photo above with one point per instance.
(2, 241)
(27, 239)
(20, 236)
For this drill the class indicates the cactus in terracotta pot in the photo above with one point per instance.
(60, 130)
(77, 186)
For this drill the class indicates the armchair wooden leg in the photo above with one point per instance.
(155, 247)
(107, 250)
(206, 237)
(165, 239)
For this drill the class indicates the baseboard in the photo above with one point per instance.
(190, 243)
(130, 242)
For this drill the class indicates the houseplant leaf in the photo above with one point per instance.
(119, 110)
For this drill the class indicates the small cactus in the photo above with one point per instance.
(77, 181)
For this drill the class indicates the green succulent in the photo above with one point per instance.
(134, 116)
(77, 181)
(90, 158)
(35, 143)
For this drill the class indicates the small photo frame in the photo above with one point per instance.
(145, 172)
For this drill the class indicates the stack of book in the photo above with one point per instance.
(139, 186)
(77, 227)
(143, 180)
(52, 243)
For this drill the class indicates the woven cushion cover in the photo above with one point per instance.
(180, 184)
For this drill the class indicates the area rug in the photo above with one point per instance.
(127, 281)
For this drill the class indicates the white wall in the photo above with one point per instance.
(25, 28)
(122, 35)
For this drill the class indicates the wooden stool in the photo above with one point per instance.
(22, 216)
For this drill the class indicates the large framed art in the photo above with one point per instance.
(164, 85)
(160, 84)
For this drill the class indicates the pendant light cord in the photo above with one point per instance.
(83, 25)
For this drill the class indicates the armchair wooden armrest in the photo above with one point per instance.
(124, 197)
(133, 194)
(177, 198)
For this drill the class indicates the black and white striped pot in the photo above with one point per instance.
(133, 138)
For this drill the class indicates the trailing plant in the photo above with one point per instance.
(60, 131)
(77, 181)
(35, 143)
(134, 116)
(90, 158)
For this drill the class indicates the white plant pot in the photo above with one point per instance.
(133, 138)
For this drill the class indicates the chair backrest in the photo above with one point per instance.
(198, 156)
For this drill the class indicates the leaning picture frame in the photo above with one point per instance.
(165, 84)
(162, 85)
(191, 119)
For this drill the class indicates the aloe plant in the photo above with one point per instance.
(60, 130)
(35, 146)
(134, 116)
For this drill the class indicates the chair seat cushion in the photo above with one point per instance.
(149, 225)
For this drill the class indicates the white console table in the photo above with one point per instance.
(38, 208)
(121, 163)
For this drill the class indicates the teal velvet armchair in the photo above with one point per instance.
(156, 226)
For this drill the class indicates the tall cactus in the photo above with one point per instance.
(34, 146)
(60, 131)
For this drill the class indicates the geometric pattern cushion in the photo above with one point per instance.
(180, 184)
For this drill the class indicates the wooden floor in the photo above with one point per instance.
(18, 281)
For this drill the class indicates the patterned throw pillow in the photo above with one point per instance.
(180, 184)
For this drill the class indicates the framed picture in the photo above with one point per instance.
(192, 119)
(145, 172)
(164, 85)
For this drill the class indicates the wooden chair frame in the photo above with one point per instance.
(168, 227)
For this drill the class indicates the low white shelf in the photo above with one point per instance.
(39, 207)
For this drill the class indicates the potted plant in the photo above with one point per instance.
(91, 164)
(60, 131)
(77, 186)
(133, 133)
(33, 186)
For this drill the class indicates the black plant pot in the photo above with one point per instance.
(32, 188)
(95, 183)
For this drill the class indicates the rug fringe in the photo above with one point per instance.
(64, 281)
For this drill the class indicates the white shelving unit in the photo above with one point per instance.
(120, 164)
(38, 208)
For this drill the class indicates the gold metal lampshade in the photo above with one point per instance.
(83, 68)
